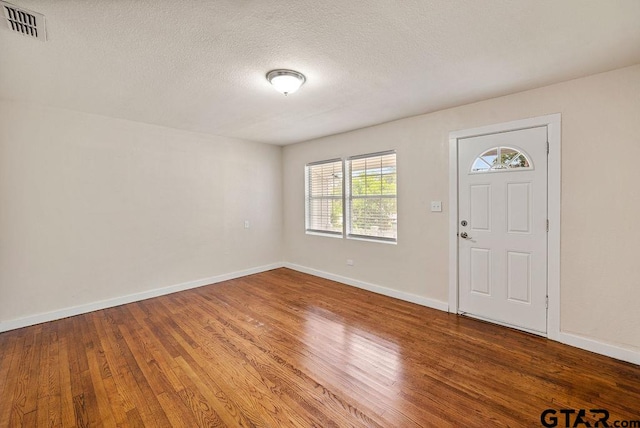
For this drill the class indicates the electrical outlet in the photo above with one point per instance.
(436, 206)
(349, 262)
(246, 224)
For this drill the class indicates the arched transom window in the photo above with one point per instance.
(501, 159)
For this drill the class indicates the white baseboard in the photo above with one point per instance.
(588, 344)
(408, 297)
(581, 342)
(599, 347)
(117, 301)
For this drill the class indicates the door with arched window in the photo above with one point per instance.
(502, 245)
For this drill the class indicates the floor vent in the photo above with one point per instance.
(25, 22)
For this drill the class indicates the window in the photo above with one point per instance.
(500, 159)
(324, 197)
(371, 197)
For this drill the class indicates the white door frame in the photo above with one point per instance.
(552, 122)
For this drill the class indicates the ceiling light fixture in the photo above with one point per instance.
(286, 81)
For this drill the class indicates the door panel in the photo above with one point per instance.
(480, 206)
(481, 271)
(502, 195)
(519, 276)
(518, 207)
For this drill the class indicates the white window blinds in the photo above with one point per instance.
(372, 200)
(324, 197)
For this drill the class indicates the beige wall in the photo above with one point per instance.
(93, 208)
(600, 276)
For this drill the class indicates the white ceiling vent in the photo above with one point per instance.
(24, 21)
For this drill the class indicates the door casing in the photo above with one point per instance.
(553, 124)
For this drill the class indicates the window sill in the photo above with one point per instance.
(326, 235)
(372, 239)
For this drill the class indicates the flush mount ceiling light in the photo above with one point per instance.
(286, 81)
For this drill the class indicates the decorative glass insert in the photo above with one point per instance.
(501, 158)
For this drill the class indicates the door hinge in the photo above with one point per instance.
(547, 225)
(546, 303)
(547, 147)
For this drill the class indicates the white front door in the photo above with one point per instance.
(502, 224)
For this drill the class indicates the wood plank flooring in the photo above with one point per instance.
(282, 348)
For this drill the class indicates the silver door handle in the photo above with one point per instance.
(464, 235)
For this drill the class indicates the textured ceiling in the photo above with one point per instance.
(201, 65)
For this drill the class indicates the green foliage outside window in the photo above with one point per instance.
(373, 202)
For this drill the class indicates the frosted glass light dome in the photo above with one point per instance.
(286, 81)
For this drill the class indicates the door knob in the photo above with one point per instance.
(464, 235)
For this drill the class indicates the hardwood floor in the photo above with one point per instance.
(283, 348)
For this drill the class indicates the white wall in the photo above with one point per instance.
(93, 208)
(600, 276)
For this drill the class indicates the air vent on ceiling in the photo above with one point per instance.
(24, 21)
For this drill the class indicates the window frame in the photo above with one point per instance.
(349, 198)
(308, 198)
